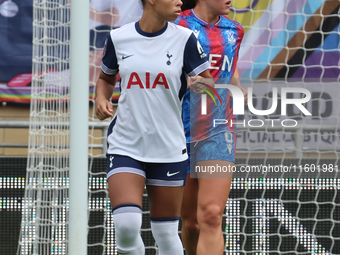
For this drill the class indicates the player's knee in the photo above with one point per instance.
(127, 232)
(165, 232)
(128, 220)
(190, 224)
(211, 216)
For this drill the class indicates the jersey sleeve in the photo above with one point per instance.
(240, 34)
(195, 60)
(109, 63)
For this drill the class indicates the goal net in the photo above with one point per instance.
(284, 201)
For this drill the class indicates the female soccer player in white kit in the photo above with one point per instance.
(146, 141)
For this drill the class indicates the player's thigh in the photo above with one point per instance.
(126, 188)
(126, 180)
(213, 193)
(190, 196)
(165, 184)
(165, 202)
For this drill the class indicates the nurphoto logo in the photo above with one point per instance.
(238, 105)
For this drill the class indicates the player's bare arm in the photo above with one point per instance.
(104, 90)
(197, 83)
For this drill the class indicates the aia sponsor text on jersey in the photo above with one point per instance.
(135, 79)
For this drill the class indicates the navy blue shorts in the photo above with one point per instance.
(156, 174)
(217, 147)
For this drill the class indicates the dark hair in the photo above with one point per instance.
(188, 4)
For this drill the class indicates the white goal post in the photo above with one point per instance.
(55, 208)
(79, 108)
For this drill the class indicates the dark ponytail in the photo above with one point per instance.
(188, 4)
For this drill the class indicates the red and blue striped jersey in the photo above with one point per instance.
(221, 42)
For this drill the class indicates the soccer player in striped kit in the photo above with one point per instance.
(146, 140)
(204, 199)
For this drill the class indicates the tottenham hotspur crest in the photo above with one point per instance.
(231, 37)
(169, 56)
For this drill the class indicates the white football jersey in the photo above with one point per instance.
(153, 68)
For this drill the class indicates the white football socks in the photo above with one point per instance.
(165, 232)
(128, 221)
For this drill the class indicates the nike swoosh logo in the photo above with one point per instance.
(169, 175)
(124, 57)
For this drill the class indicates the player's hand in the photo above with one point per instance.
(245, 94)
(199, 84)
(103, 108)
